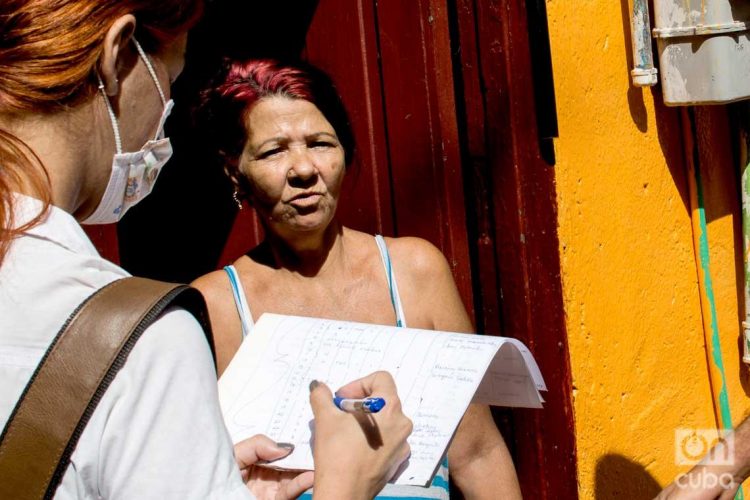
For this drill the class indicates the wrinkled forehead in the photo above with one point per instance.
(284, 117)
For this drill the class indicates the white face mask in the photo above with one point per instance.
(133, 174)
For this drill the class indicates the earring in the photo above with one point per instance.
(236, 198)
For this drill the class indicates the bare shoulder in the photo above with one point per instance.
(212, 284)
(225, 323)
(217, 291)
(417, 258)
(427, 288)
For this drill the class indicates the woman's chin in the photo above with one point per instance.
(305, 224)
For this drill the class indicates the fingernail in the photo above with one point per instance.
(286, 446)
(313, 385)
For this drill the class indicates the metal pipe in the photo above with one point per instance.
(644, 73)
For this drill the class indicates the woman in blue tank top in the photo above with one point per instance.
(286, 142)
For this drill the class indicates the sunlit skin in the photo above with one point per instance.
(294, 164)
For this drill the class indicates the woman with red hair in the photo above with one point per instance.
(286, 143)
(84, 93)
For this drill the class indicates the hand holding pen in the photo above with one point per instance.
(361, 450)
(364, 405)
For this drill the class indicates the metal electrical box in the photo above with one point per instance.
(704, 50)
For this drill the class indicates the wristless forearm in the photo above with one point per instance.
(741, 443)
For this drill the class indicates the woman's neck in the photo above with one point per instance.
(308, 254)
(69, 147)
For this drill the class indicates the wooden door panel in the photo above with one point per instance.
(391, 62)
(517, 220)
(341, 40)
(422, 130)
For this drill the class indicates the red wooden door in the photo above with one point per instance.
(509, 166)
(441, 97)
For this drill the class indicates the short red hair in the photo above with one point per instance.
(225, 105)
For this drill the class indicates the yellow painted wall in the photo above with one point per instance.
(629, 268)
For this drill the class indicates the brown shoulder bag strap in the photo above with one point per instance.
(85, 356)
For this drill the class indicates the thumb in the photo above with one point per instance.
(321, 398)
(259, 448)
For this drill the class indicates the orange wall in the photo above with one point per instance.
(629, 271)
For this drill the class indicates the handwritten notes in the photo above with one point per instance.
(264, 390)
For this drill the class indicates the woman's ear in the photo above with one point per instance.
(117, 38)
(239, 182)
(233, 173)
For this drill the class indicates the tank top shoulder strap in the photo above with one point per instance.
(391, 278)
(240, 300)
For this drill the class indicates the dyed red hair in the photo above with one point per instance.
(225, 105)
(49, 51)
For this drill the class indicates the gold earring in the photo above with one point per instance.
(236, 198)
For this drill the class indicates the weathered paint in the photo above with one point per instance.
(696, 65)
(629, 268)
(644, 74)
(641, 30)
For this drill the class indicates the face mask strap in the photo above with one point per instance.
(112, 117)
(151, 71)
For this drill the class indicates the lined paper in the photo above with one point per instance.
(265, 388)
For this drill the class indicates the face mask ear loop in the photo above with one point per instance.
(112, 117)
(151, 71)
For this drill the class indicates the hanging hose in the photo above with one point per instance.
(716, 372)
(715, 361)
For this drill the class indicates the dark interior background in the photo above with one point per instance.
(193, 198)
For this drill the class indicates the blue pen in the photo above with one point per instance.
(367, 405)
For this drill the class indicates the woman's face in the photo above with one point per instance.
(294, 165)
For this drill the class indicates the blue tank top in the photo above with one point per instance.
(439, 488)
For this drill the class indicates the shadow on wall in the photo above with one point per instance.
(178, 232)
(620, 477)
(715, 157)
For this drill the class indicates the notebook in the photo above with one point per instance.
(265, 388)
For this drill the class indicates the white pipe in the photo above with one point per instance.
(643, 73)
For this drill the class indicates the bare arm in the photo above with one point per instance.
(713, 478)
(480, 463)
